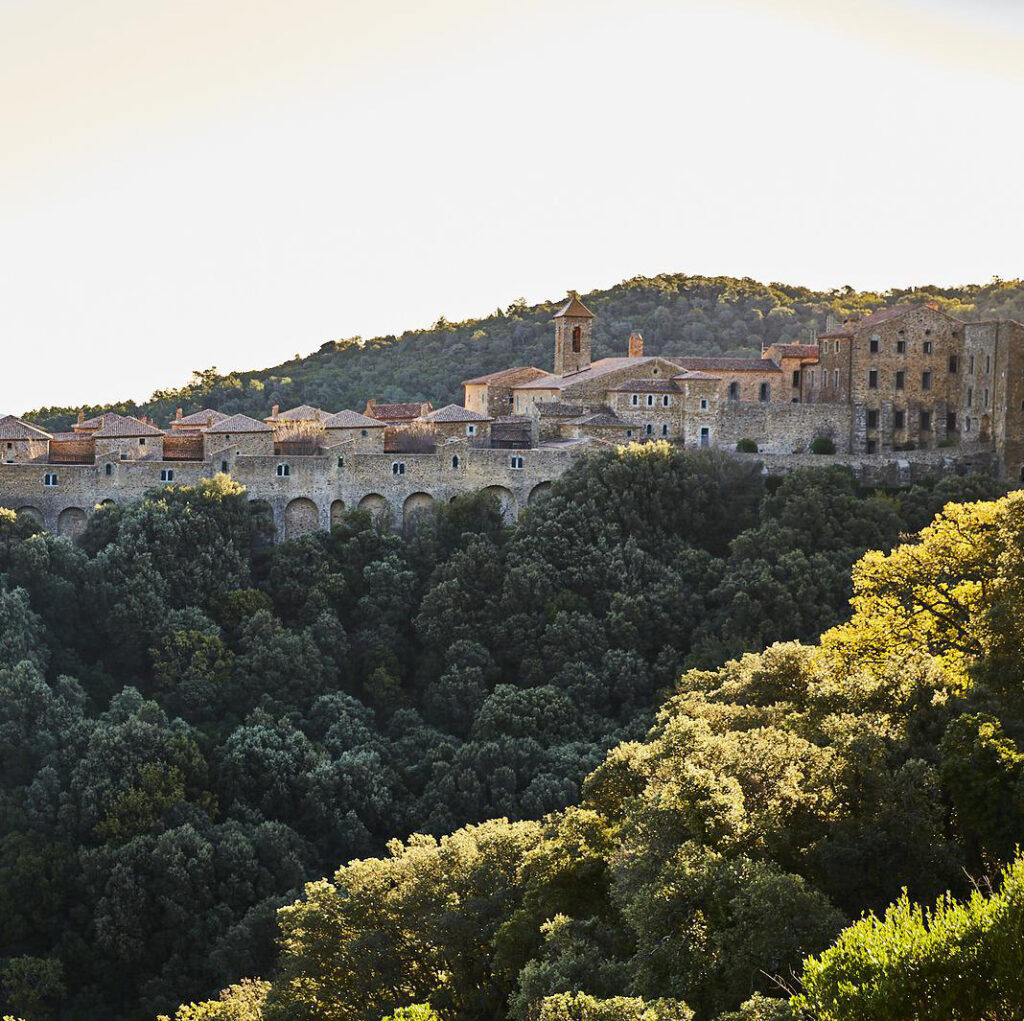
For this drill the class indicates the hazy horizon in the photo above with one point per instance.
(222, 184)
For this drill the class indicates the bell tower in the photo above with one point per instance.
(574, 330)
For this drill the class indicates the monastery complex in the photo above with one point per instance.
(904, 391)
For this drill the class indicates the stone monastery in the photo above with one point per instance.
(905, 390)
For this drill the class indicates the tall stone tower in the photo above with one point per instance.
(574, 330)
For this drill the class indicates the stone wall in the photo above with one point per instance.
(782, 428)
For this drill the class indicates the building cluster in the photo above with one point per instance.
(907, 378)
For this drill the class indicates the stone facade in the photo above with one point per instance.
(887, 391)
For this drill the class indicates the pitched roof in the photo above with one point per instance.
(12, 428)
(494, 377)
(303, 413)
(453, 413)
(882, 315)
(208, 416)
(602, 418)
(795, 350)
(593, 371)
(696, 375)
(728, 364)
(92, 424)
(352, 420)
(556, 409)
(239, 424)
(118, 426)
(574, 308)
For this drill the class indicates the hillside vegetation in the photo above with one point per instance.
(677, 315)
(720, 867)
(193, 725)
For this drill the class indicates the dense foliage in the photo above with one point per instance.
(677, 315)
(716, 869)
(194, 724)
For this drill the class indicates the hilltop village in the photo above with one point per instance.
(905, 390)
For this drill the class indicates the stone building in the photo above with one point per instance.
(905, 378)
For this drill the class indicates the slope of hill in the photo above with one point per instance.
(676, 313)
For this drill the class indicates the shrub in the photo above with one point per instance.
(823, 445)
(746, 446)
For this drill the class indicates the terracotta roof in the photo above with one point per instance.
(881, 316)
(647, 386)
(574, 308)
(392, 412)
(68, 437)
(795, 350)
(116, 425)
(729, 364)
(493, 377)
(92, 424)
(596, 369)
(453, 413)
(12, 428)
(602, 418)
(352, 420)
(239, 424)
(303, 413)
(208, 416)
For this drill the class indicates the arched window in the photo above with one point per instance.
(664, 401)
(166, 474)
(734, 391)
(636, 400)
(650, 400)
(577, 338)
(51, 479)
(283, 470)
(515, 462)
(455, 461)
(649, 429)
(108, 469)
(664, 429)
(398, 468)
(764, 392)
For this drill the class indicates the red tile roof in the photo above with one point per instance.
(453, 413)
(398, 412)
(494, 377)
(574, 308)
(352, 420)
(239, 424)
(12, 428)
(115, 426)
(303, 413)
(795, 350)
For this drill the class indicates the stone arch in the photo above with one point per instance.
(539, 492)
(377, 507)
(337, 513)
(416, 506)
(71, 522)
(32, 513)
(506, 501)
(300, 517)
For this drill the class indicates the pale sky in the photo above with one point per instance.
(228, 182)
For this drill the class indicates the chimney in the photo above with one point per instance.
(933, 305)
(636, 344)
(275, 411)
(81, 416)
(177, 415)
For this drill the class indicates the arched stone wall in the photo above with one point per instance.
(377, 507)
(337, 512)
(71, 522)
(300, 517)
(33, 513)
(506, 500)
(539, 492)
(416, 507)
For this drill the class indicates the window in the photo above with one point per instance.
(455, 462)
(926, 381)
(796, 377)
(228, 436)
(649, 429)
(950, 421)
(899, 419)
(926, 347)
(873, 346)
(872, 446)
(703, 404)
(108, 469)
(664, 401)
(471, 430)
(629, 434)
(650, 400)
(901, 347)
(664, 430)
(705, 436)
(142, 441)
(967, 425)
(872, 419)
(970, 365)
(988, 364)
(873, 379)
(901, 379)
(764, 392)
(10, 446)
(577, 338)
(986, 398)
(366, 432)
(734, 391)
(51, 479)
(837, 347)
(835, 379)
(397, 467)
(283, 471)
(341, 462)
(224, 466)
(824, 347)
(166, 474)
(636, 400)
(515, 462)
(954, 363)
(970, 396)
(926, 421)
